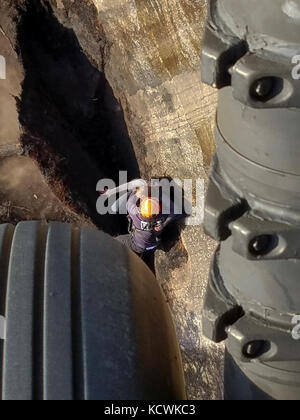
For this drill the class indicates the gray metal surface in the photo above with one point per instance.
(253, 201)
(86, 319)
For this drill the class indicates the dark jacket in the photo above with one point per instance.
(144, 235)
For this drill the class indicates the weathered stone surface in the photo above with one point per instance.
(24, 194)
(11, 87)
(153, 64)
(148, 53)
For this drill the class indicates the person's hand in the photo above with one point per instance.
(138, 192)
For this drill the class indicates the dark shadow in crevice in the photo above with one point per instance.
(73, 124)
(171, 243)
(171, 234)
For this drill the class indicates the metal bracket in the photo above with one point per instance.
(220, 211)
(218, 57)
(257, 239)
(261, 83)
(269, 344)
(220, 310)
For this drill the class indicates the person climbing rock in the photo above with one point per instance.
(146, 221)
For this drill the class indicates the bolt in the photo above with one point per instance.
(263, 88)
(251, 349)
(260, 245)
(256, 349)
(267, 88)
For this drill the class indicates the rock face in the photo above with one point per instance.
(103, 86)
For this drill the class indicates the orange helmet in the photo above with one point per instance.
(150, 208)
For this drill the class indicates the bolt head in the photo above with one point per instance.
(260, 245)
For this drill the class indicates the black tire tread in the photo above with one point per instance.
(85, 319)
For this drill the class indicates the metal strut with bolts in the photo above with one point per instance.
(253, 201)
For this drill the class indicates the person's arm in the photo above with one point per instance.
(172, 218)
(120, 206)
(175, 215)
(132, 204)
(130, 186)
